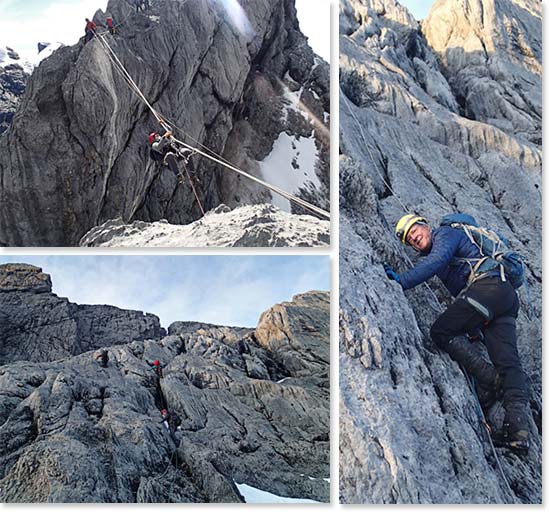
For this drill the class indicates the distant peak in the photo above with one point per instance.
(25, 278)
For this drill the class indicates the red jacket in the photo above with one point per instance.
(109, 22)
(90, 26)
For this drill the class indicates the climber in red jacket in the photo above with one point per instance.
(90, 29)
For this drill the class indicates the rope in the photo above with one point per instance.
(193, 188)
(386, 183)
(273, 188)
(290, 197)
(439, 308)
(483, 421)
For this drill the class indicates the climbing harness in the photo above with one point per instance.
(440, 308)
(213, 156)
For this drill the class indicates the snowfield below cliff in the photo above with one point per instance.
(247, 226)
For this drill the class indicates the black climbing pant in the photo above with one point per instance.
(492, 305)
(172, 162)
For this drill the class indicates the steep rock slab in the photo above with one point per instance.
(37, 325)
(72, 431)
(246, 226)
(491, 53)
(303, 326)
(408, 147)
(77, 145)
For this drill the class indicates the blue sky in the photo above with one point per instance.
(23, 23)
(227, 290)
(418, 8)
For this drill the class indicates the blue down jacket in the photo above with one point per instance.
(447, 243)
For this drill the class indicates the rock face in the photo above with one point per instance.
(418, 135)
(37, 325)
(72, 431)
(13, 78)
(244, 84)
(247, 226)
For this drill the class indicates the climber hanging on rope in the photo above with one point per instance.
(163, 150)
(89, 30)
(486, 301)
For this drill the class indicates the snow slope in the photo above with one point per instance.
(261, 225)
(254, 495)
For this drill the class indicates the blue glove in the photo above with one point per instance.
(394, 276)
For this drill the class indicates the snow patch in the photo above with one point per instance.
(46, 52)
(291, 166)
(282, 380)
(255, 495)
(154, 18)
(291, 102)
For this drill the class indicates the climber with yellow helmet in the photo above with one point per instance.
(487, 304)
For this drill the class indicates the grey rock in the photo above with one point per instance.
(409, 432)
(78, 146)
(72, 431)
(13, 79)
(262, 225)
(37, 325)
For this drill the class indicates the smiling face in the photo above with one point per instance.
(419, 237)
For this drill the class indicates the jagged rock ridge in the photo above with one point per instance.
(246, 226)
(37, 325)
(254, 408)
(77, 145)
(421, 132)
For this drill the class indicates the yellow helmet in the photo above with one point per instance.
(405, 223)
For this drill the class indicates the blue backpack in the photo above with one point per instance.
(494, 250)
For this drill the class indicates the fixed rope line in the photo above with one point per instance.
(280, 191)
(194, 191)
(131, 80)
(384, 180)
(162, 122)
(440, 309)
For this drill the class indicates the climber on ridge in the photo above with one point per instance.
(484, 300)
(111, 25)
(163, 150)
(90, 29)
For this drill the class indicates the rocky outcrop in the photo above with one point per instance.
(247, 226)
(415, 138)
(13, 78)
(73, 431)
(244, 84)
(37, 325)
(491, 54)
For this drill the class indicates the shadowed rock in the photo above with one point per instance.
(37, 325)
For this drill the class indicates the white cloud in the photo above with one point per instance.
(59, 21)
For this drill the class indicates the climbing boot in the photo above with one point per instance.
(515, 430)
(488, 395)
(463, 352)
